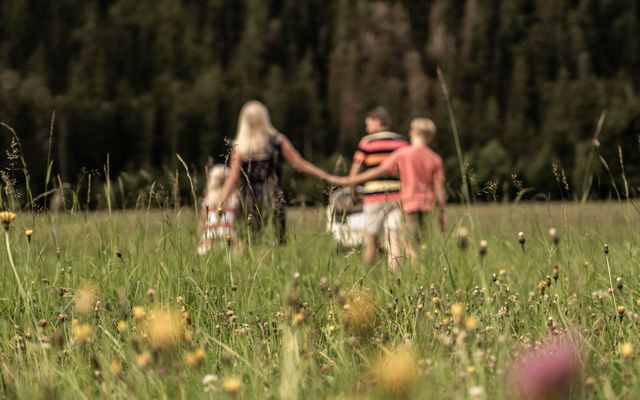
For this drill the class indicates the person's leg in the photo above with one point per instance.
(394, 241)
(414, 226)
(394, 251)
(374, 220)
(370, 250)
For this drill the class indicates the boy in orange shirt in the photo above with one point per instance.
(421, 177)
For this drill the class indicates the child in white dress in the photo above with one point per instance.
(217, 224)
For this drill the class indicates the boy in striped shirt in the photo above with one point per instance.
(382, 194)
(421, 176)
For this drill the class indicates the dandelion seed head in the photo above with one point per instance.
(396, 371)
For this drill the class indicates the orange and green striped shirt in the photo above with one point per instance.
(373, 149)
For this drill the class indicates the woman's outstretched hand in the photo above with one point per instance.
(338, 180)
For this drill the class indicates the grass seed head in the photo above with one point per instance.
(483, 248)
(553, 235)
(396, 372)
(619, 283)
(463, 237)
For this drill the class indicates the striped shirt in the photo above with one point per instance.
(373, 149)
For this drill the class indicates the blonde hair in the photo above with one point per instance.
(424, 127)
(215, 181)
(254, 132)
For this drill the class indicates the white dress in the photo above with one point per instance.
(219, 227)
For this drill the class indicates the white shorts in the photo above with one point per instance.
(382, 213)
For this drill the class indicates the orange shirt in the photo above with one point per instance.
(419, 168)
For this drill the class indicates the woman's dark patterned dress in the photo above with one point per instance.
(262, 193)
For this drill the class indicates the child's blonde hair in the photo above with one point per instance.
(254, 132)
(424, 127)
(215, 181)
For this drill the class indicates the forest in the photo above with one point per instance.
(133, 83)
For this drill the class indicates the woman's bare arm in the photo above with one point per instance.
(357, 179)
(295, 160)
(232, 178)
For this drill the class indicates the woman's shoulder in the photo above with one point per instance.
(277, 139)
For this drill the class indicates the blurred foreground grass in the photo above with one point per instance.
(120, 306)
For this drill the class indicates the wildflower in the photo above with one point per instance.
(626, 350)
(164, 328)
(85, 299)
(483, 248)
(144, 359)
(82, 332)
(555, 273)
(209, 382)
(463, 237)
(621, 311)
(606, 249)
(179, 299)
(138, 313)
(28, 233)
(298, 318)
(457, 311)
(549, 371)
(542, 286)
(395, 372)
(116, 367)
(42, 323)
(232, 385)
(471, 323)
(7, 217)
(195, 358)
(476, 393)
(359, 313)
(122, 326)
(151, 293)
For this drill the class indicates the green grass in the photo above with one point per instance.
(242, 307)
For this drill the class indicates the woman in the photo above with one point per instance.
(256, 159)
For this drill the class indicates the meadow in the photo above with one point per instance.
(119, 305)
